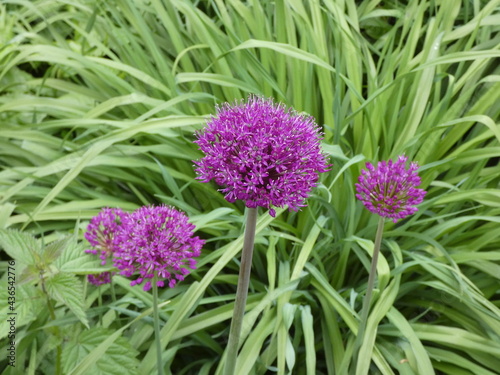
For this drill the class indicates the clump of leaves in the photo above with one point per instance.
(49, 307)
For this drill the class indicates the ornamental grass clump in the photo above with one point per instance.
(391, 191)
(265, 155)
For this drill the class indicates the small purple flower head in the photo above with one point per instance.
(157, 240)
(100, 278)
(390, 190)
(262, 153)
(101, 232)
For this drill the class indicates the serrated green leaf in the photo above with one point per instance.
(119, 358)
(20, 246)
(75, 260)
(67, 289)
(29, 303)
(55, 248)
(98, 352)
(28, 274)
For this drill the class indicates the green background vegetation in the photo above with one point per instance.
(99, 101)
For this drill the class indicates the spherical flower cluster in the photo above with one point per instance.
(151, 240)
(101, 232)
(101, 235)
(390, 190)
(156, 240)
(261, 153)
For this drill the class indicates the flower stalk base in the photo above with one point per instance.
(241, 292)
(369, 291)
(156, 322)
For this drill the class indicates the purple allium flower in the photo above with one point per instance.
(156, 240)
(101, 232)
(262, 153)
(390, 190)
(100, 278)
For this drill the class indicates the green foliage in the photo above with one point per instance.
(119, 358)
(39, 268)
(43, 292)
(68, 290)
(99, 101)
(29, 304)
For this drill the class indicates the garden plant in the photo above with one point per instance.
(250, 187)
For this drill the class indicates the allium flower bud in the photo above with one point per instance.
(101, 235)
(262, 153)
(390, 190)
(156, 240)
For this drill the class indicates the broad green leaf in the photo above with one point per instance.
(6, 210)
(20, 246)
(29, 303)
(99, 351)
(118, 359)
(421, 362)
(308, 329)
(54, 249)
(68, 290)
(75, 260)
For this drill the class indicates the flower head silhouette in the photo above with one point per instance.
(156, 240)
(390, 189)
(261, 153)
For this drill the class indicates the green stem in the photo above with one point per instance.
(369, 289)
(241, 292)
(156, 322)
(113, 294)
(99, 302)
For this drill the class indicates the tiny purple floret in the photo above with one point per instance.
(261, 153)
(156, 239)
(100, 278)
(390, 189)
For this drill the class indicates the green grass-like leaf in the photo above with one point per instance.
(99, 101)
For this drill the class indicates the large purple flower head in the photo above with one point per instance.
(101, 235)
(390, 189)
(262, 153)
(157, 239)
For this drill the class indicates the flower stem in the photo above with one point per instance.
(369, 290)
(156, 321)
(241, 292)
(113, 294)
(99, 302)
